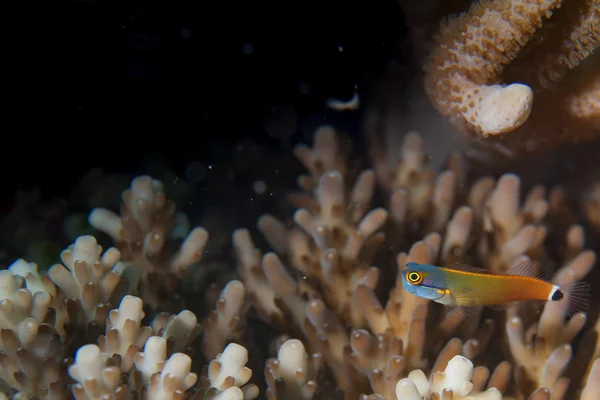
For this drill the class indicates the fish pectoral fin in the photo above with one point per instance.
(461, 291)
(502, 306)
(466, 311)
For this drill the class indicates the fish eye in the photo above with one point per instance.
(414, 277)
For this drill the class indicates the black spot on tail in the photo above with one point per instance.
(557, 295)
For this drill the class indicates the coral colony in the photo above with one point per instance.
(519, 72)
(82, 329)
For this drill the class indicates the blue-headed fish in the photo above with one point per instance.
(463, 286)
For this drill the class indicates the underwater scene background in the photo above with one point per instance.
(217, 200)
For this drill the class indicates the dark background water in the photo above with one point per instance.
(112, 83)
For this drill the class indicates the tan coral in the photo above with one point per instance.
(335, 332)
(227, 376)
(258, 290)
(42, 284)
(496, 40)
(456, 382)
(404, 315)
(592, 388)
(89, 279)
(226, 322)
(325, 155)
(147, 223)
(180, 329)
(129, 349)
(511, 228)
(42, 320)
(124, 334)
(542, 361)
(32, 339)
(293, 374)
(159, 377)
(295, 307)
(420, 198)
(592, 206)
(336, 235)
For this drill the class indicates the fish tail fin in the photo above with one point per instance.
(578, 295)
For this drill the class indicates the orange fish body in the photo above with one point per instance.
(471, 289)
(465, 286)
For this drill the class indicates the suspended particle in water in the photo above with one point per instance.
(303, 88)
(260, 187)
(248, 49)
(196, 172)
(282, 123)
(185, 33)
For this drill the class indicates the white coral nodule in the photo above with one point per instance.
(456, 378)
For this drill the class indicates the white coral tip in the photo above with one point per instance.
(232, 393)
(292, 357)
(407, 390)
(458, 375)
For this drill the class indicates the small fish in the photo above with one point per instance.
(463, 286)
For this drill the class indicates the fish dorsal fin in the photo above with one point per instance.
(525, 267)
(458, 266)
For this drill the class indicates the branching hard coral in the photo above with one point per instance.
(544, 351)
(401, 333)
(31, 345)
(404, 315)
(89, 280)
(146, 224)
(337, 330)
(180, 330)
(249, 267)
(155, 376)
(458, 381)
(227, 376)
(124, 334)
(30, 360)
(595, 353)
(41, 321)
(399, 336)
(154, 373)
(495, 229)
(420, 200)
(323, 330)
(454, 246)
(592, 387)
(592, 206)
(510, 229)
(174, 379)
(41, 286)
(495, 43)
(225, 323)
(293, 374)
(330, 251)
(336, 237)
(297, 308)
(325, 155)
